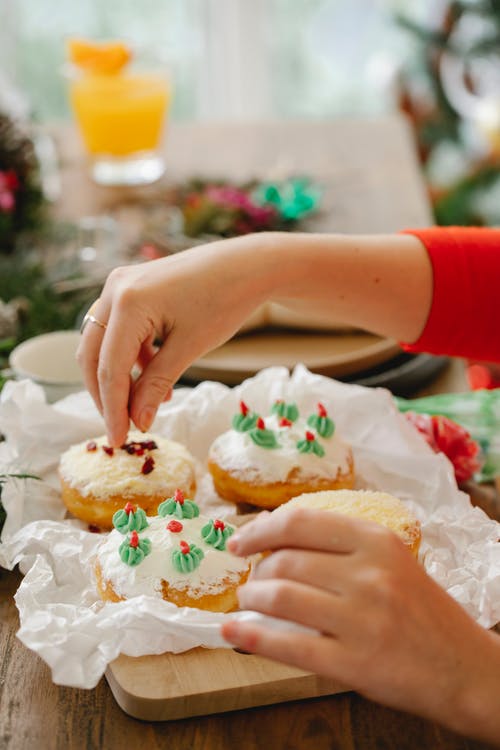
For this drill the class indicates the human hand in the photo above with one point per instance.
(192, 302)
(385, 628)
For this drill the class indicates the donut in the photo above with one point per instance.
(265, 461)
(97, 480)
(369, 505)
(177, 555)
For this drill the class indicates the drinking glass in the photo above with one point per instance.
(121, 114)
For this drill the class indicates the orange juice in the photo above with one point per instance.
(120, 111)
(120, 114)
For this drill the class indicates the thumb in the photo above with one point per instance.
(156, 382)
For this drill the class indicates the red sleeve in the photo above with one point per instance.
(464, 319)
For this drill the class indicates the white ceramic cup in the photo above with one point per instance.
(50, 361)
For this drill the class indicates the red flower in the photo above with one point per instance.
(448, 437)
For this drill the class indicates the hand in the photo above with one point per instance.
(192, 302)
(385, 628)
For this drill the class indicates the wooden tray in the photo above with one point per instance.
(327, 353)
(206, 681)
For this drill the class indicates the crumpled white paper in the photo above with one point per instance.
(62, 618)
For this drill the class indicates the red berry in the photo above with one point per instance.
(309, 436)
(134, 539)
(174, 526)
(184, 547)
(284, 422)
(148, 465)
(219, 524)
(261, 425)
(109, 451)
(91, 446)
(129, 508)
(179, 497)
(322, 411)
(244, 408)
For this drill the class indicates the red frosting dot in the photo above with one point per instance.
(261, 425)
(134, 539)
(129, 508)
(244, 408)
(108, 450)
(174, 526)
(148, 465)
(284, 422)
(309, 436)
(179, 497)
(91, 446)
(321, 411)
(184, 547)
(218, 524)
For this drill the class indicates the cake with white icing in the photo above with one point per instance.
(265, 461)
(97, 480)
(178, 555)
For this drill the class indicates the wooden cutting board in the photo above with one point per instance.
(207, 681)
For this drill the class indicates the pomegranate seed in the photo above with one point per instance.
(219, 524)
(108, 450)
(148, 465)
(91, 446)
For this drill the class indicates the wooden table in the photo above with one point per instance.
(373, 184)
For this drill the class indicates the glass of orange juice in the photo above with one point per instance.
(120, 108)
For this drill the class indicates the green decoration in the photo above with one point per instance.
(187, 557)
(288, 411)
(216, 534)
(133, 550)
(244, 422)
(126, 520)
(264, 438)
(324, 426)
(310, 445)
(173, 507)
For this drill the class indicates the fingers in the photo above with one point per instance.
(115, 362)
(293, 601)
(310, 652)
(90, 345)
(319, 569)
(301, 528)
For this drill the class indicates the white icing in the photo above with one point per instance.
(96, 473)
(236, 453)
(216, 570)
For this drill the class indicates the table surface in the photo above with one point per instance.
(383, 192)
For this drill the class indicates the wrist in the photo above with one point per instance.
(474, 707)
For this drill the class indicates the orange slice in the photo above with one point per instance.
(98, 57)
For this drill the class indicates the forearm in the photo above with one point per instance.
(380, 283)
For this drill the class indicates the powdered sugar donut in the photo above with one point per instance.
(370, 505)
(97, 480)
(265, 461)
(177, 555)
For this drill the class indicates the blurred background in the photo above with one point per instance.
(435, 62)
(234, 59)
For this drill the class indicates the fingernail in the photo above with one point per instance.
(146, 418)
(233, 543)
(230, 631)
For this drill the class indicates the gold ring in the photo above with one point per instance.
(89, 318)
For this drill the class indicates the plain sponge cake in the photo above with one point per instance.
(369, 505)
